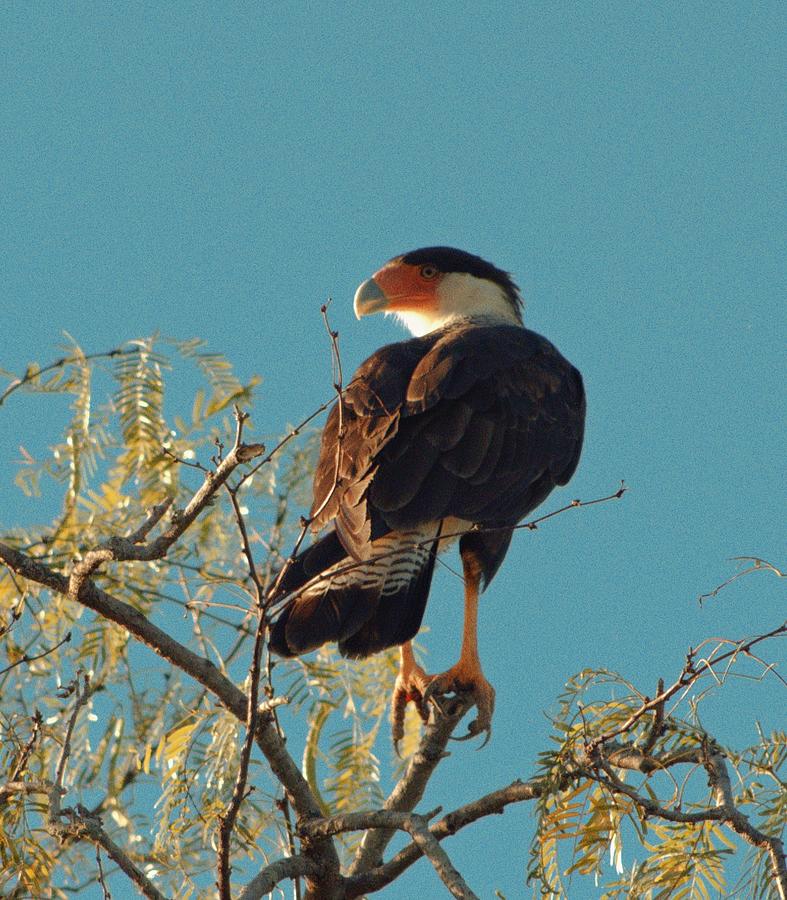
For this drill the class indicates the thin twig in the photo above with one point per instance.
(101, 881)
(32, 375)
(81, 696)
(760, 565)
(228, 818)
(657, 728)
(688, 676)
(28, 659)
(292, 433)
(24, 756)
(531, 525)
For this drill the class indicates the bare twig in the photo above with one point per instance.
(24, 756)
(25, 658)
(16, 610)
(81, 696)
(531, 525)
(228, 818)
(292, 433)
(337, 386)
(306, 521)
(758, 565)
(33, 374)
(101, 880)
(196, 464)
(657, 728)
(691, 672)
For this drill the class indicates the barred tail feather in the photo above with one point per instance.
(396, 619)
(363, 606)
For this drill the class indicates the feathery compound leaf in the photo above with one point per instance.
(220, 375)
(139, 401)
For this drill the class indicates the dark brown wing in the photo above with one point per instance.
(476, 422)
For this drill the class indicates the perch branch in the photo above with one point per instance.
(411, 786)
(378, 877)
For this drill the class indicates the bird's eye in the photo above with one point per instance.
(429, 272)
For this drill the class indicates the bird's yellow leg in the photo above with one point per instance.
(466, 676)
(411, 683)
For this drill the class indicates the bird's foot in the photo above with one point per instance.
(466, 678)
(411, 684)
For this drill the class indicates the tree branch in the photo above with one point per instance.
(375, 879)
(725, 811)
(199, 668)
(28, 659)
(228, 818)
(686, 678)
(411, 786)
(722, 793)
(31, 375)
(416, 826)
(80, 824)
(287, 867)
(83, 826)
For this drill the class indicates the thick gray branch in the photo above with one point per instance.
(416, 826)
(379, 877)
(725, 810)
(266, 880)
(735, 819)
(410, 788)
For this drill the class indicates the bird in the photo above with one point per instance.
(457, 433)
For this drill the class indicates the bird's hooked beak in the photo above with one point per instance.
(369, 298)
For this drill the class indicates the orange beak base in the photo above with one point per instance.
(397, 287)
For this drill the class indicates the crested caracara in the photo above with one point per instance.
(460, 431)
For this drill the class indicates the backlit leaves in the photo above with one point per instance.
(589, 828)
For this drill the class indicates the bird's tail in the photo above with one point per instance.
(364, 606)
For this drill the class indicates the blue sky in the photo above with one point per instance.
(220, 170)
